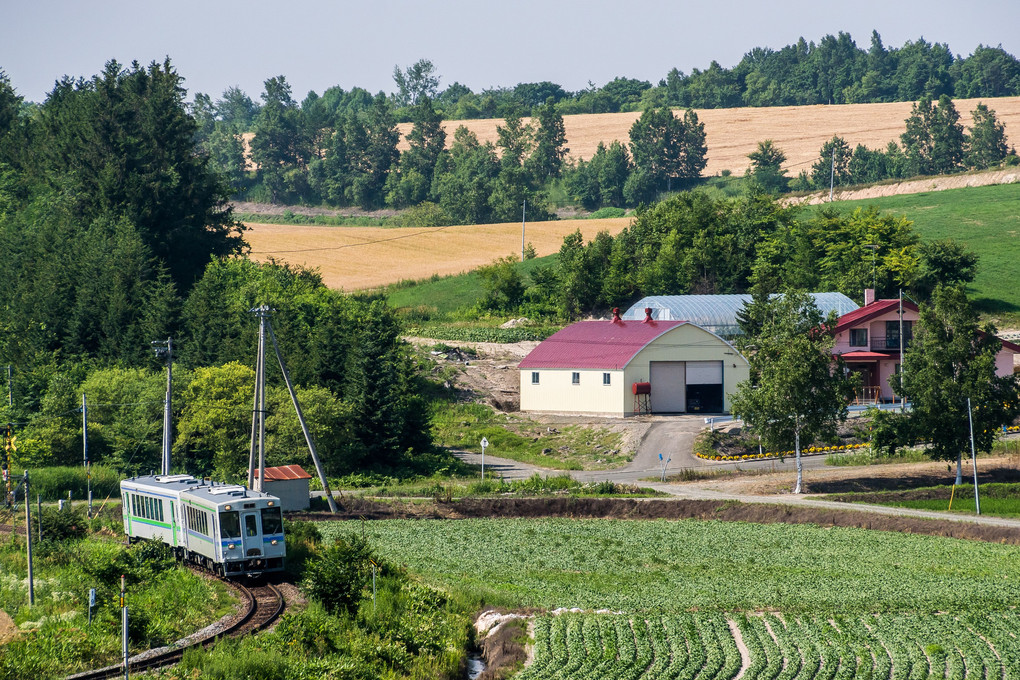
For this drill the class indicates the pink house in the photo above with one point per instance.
(868, 339)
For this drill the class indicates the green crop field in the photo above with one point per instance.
(985, 219)
(679, 599)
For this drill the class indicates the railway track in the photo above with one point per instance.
(264, 603)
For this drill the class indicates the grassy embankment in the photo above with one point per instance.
(986, 220)
(997, 499)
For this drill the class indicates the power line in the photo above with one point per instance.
(432, 230)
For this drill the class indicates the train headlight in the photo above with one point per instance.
(226, 507)
(230, 546)
(270, 503)
(273, 542)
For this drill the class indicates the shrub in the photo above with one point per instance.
(337, 575)
(60, 525)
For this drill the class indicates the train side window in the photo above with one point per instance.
(147, 501)
(272, 522)
(230, 525)
(250, 527)
(159, 508)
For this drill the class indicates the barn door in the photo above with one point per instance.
(667, 379)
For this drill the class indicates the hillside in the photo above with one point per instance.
(799, 131)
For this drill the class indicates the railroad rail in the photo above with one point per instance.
(263, 605)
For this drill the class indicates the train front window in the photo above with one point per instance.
(230, 525)
(250, 527)
(272, 523)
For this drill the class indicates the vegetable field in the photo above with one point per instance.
(704, 646)
(706, 599)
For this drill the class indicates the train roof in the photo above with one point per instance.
(213, 492)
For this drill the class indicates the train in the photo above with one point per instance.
(225, 528)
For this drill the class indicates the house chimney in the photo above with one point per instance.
(869, 296)
(648, 315)
(616, 315)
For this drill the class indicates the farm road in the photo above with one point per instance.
(675, 438)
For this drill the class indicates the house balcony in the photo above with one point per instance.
(880, 343)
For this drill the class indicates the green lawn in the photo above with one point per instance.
(986, 220)
(446, 295)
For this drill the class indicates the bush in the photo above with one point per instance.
(604, 213)
(53, 483)
(337, 575)
(60, 525)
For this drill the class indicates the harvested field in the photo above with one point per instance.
(354, 258)
(799, 131)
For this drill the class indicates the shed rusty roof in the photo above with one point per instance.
(284, 472)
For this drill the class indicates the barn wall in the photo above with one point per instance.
(293, 493)
(689, 343)
(555, 392)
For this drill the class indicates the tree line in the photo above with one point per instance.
(696, 243)
(935, 142)
(115, 231)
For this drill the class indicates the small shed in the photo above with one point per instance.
(289, 483)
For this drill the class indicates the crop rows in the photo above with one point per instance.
(701, 646)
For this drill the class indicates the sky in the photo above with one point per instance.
(316, 44)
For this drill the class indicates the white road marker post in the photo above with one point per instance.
(485, 443)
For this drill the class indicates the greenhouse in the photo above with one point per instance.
(718, 313)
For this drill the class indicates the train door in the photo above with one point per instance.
(252, 536)
(173, 525)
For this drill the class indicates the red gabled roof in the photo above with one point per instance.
(878, 307)
(596, 344)
(869, 312)
(284, 472)
(861, 355)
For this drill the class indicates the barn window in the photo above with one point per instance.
(534, 377)
(575, 378)
(606, 378)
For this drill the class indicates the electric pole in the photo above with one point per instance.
(165, 350)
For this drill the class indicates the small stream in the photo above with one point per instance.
(475, 666)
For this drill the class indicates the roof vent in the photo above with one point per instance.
(616, 315)
(648, 315)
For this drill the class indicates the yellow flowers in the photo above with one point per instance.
(781, 454)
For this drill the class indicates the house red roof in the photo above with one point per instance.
(864, 314)
(868, 312)
(596, 344)
(861, 355)
(284, 472)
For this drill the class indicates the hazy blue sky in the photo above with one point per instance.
(316, 43)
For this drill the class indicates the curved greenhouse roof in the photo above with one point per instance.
(718, 313)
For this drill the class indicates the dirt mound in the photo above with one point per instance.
(8, 629)
(616, 508)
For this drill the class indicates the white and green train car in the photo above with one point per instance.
(225, 528)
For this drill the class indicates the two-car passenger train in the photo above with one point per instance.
(228, 529)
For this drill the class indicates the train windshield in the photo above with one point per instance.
(230, 525)
(271, 521)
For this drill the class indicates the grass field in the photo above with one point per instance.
(799, 131)
(997, 500)
(986, 220)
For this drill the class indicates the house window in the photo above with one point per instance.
(606, 378)
(858, 337)
(892, 334)
(575, 378)
(534, 377)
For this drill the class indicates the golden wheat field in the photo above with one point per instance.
(354, 258)
(731, 134)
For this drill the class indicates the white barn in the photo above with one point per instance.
(595, 367)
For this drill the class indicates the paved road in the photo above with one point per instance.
(675, 439)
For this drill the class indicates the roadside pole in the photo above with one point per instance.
(973, 457)
(485, 443)
(28, 543)
(124, 628)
